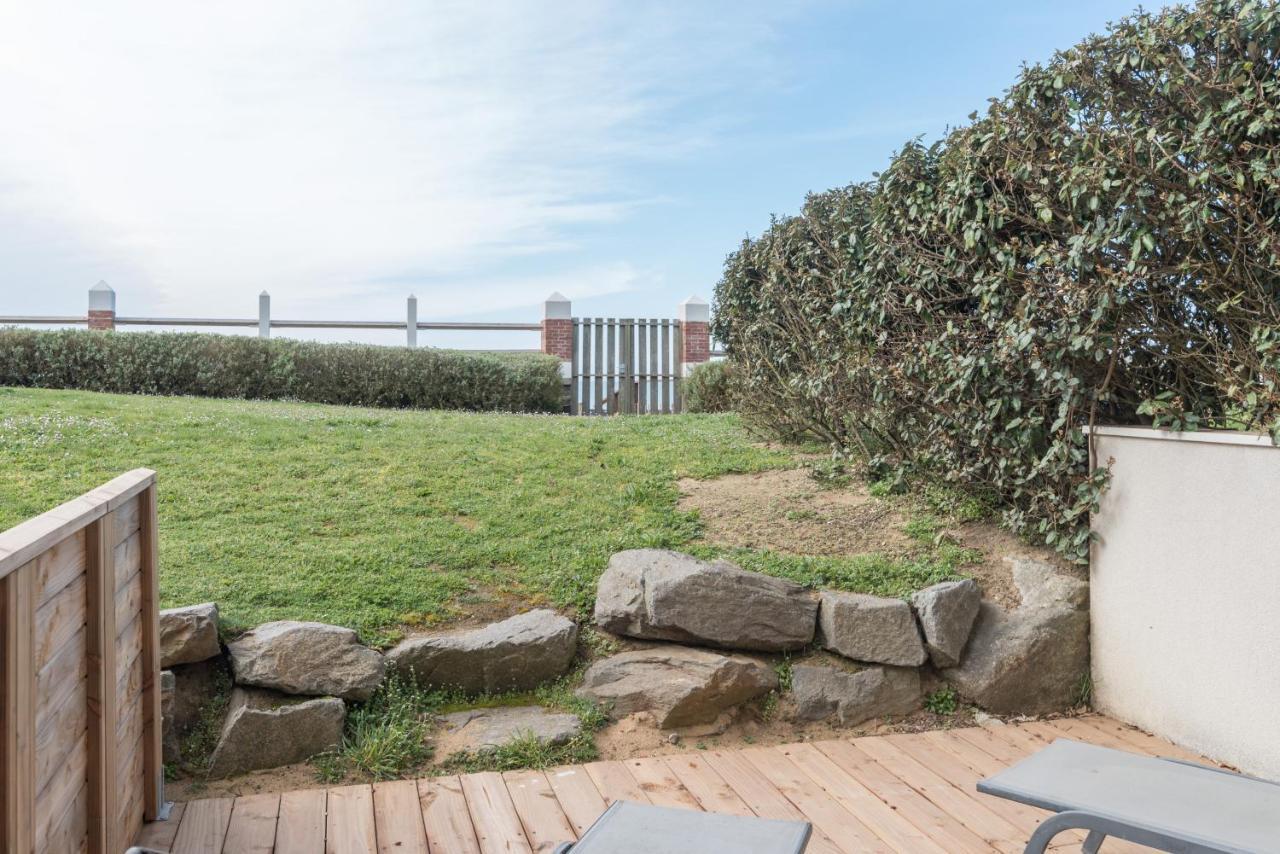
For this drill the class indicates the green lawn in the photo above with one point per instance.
(381, 519)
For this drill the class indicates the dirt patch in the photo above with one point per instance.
(283, 779)
(636, 736)
(784, 511)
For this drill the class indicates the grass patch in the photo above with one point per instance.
(371, 518)
(944, 701)
(383, 520)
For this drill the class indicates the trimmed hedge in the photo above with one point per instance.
(710, 388)
(1101, 246)
(205, 365)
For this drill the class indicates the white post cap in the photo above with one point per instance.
(102, 298)
(694, 310)
(557, 307)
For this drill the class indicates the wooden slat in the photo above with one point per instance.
(24, 541)
(100, 643)
(204, 826)
(1140, 741)
(127, 561)
(18, 710)
(575, 370)
(61, 733)
(545, 824)
(348, 826)
(660, 784)
(159, 835)
(763, 797)
(57, 679)
(642, 366)
(611, 366)
(149, 616)
(983, 739)
(498, 828)
(128, 519)
(301, 821)
(615, 782)
(446, 817)
(664, 384)
(578, 796)
(707, 787)
(252, 827)
(398, 817)
(962, 806)
(882, 819)
(58, 796)
(843, 828)
(943, 828)
(59, 620)
(677, 368)
(58, 567)
(653, 366)
(69, 832)
(597, 365)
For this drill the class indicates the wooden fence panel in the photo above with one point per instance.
(80, 763)
(625, 365)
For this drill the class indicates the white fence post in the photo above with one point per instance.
(264, 315)
(411, 322)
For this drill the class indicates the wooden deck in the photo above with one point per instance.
(893, 793)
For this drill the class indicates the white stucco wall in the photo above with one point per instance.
(1185, 591)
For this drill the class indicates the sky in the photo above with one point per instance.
(480, 155)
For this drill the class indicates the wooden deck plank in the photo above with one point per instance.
(446, 818)
(348, 827)
(840, 825)
(962, 806)
(905, 792)
(708, 787)
(881, 818)
(544, 822)
(159, 835)
(300, 824)
(397, 817)
(615, 782)
(661, 785)
(498, 828)
(763, 797)
(1142, 741)
(578, 796)
(204, 826)
(913, 806)
(252, 829)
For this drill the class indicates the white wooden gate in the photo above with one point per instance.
(625, 365)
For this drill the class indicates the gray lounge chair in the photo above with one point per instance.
(1165, 804)
(630, 828)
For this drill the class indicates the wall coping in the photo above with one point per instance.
(1211, 437)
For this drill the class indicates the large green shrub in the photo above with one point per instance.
(1101, 246)
(205, 365)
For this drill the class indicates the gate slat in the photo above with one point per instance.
(653, 365)
(677, 367)
(598, 367)
(575, 370)
(642, 366)
(612, 362)
(665, 383)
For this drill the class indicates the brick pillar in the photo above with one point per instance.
(102, 307)
(695, 332)
(557, 327)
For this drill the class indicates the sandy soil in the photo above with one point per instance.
(785, 511)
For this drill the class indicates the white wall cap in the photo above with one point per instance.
(1212, 437)
(694, 310)
(557, 307)
(101, 297)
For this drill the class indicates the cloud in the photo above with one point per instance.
(322, 149)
